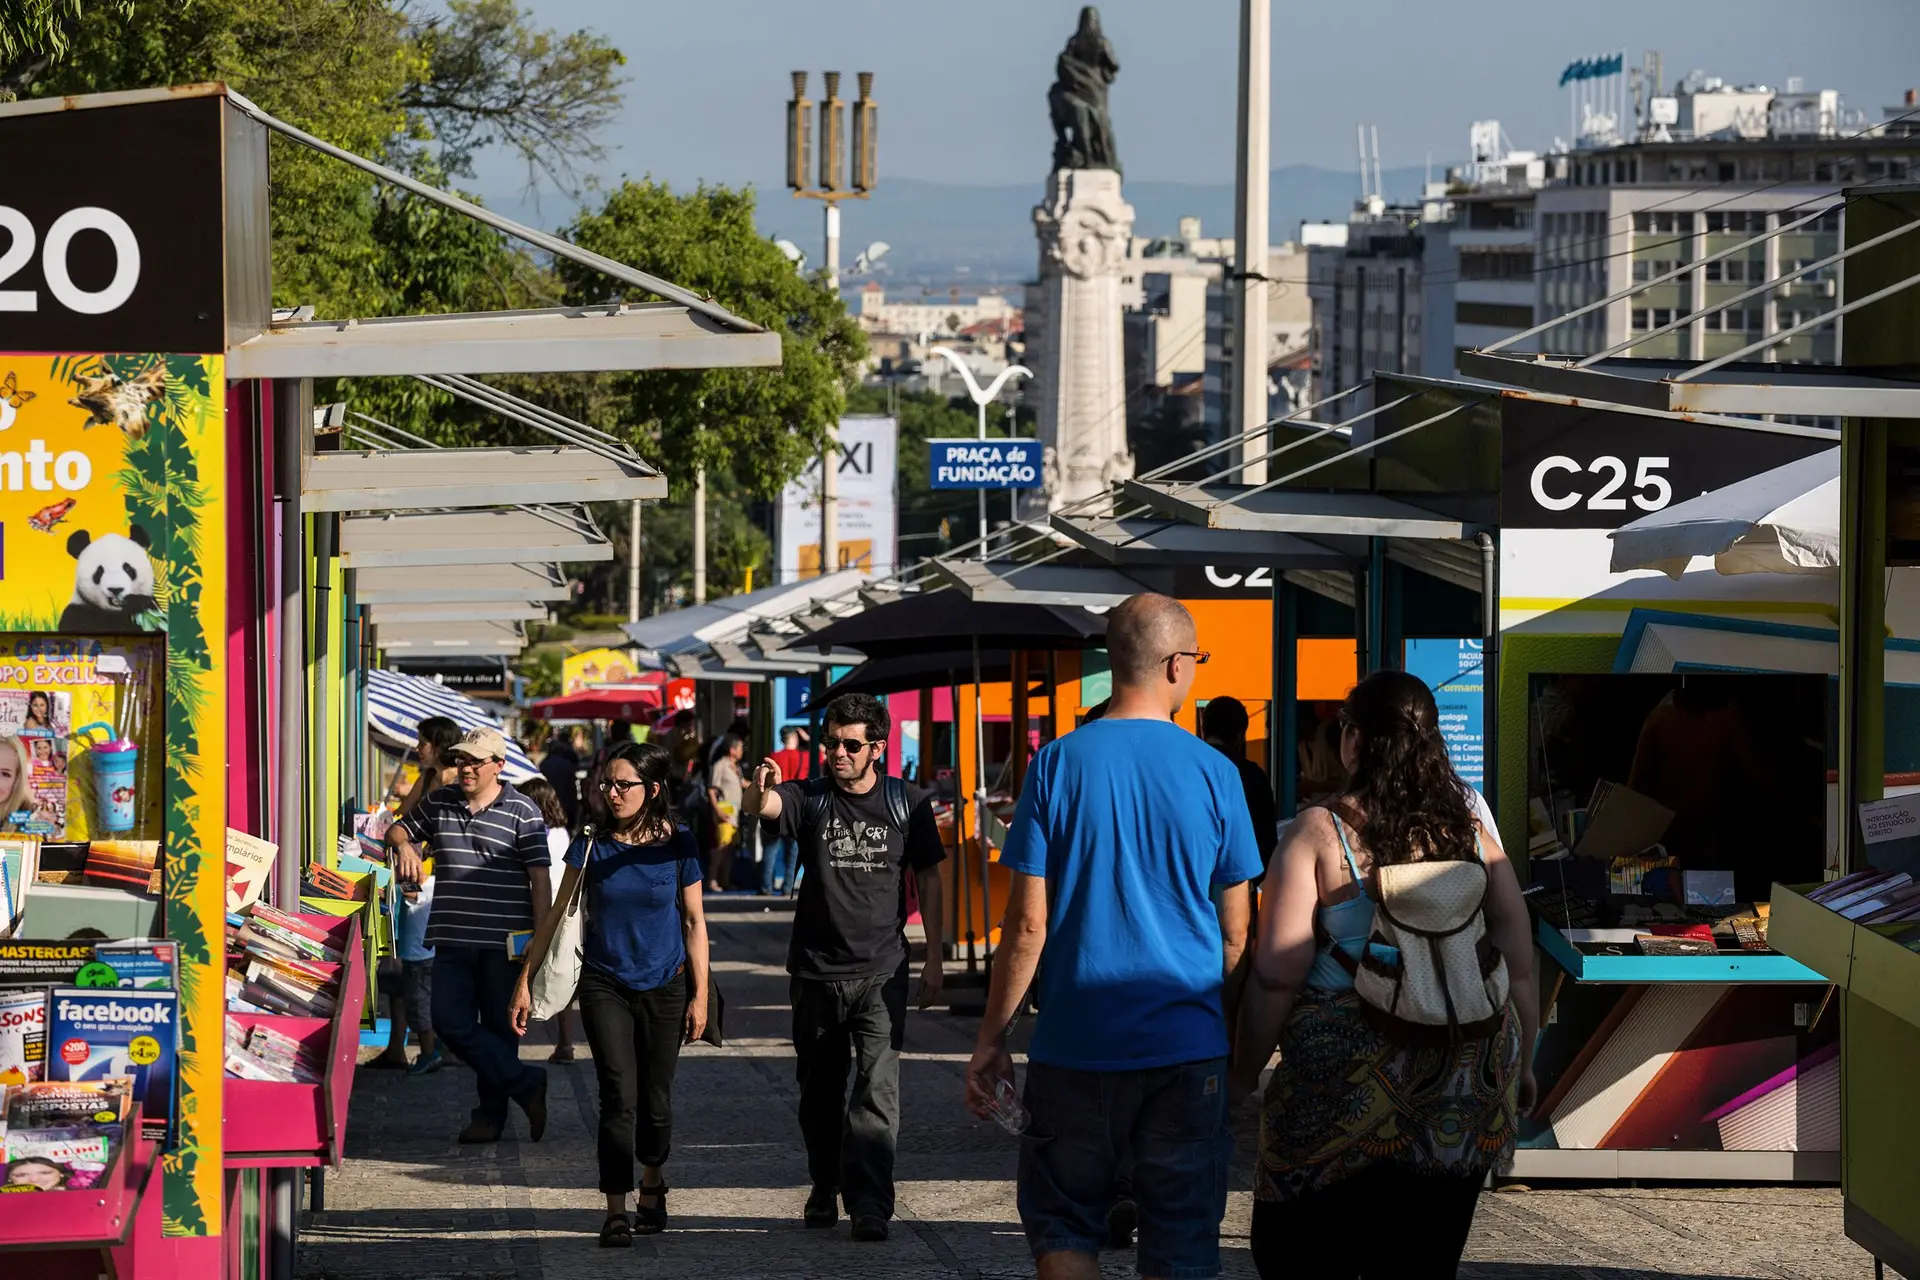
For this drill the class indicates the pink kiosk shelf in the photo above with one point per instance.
(270, 1125)
(75, 1222)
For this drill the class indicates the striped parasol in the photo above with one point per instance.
(397, 703)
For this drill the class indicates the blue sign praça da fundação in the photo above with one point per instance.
(984, 464)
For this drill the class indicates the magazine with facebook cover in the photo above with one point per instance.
(102, 1034)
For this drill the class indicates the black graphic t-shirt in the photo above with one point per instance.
(851, 920)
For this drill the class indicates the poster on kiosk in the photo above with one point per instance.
(116, 301)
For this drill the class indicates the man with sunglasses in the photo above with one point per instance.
(490, 880)
(858, 830)
(1125, 830)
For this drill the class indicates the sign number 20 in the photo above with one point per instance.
(1651, 490)
(53, 260)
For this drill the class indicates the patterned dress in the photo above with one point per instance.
(1343, 1097)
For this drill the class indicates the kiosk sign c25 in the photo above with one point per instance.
(83, 486)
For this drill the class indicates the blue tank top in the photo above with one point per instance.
(1344, 924)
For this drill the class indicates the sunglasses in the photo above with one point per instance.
(1199, 656)
(854, 746)
(620, 786)
(468, 762)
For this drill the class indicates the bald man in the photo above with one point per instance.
(1125, 829)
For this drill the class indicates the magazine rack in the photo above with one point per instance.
(98, 1218)
(275, 1125)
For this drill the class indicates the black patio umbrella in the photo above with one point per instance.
(909, 672)
(943, 621)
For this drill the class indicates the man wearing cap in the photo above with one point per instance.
(489, 846)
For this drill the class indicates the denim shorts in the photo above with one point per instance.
(1164, 1129)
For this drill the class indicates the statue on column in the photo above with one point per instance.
(1082, 132)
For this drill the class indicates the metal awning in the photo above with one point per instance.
(654, 335)
(1015, 582)
(1220, 506)
(692, 628)
(433, 639)
(386, 615)
(1753, 386)
(1170, 542)
(411, 479)
(461, 584)
(513, 535)
(691, 666)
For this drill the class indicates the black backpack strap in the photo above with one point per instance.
(899, 805)
(814, 805)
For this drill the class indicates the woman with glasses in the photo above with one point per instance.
(643, 987)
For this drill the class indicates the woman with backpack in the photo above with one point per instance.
(643, 983)
(1394, 969)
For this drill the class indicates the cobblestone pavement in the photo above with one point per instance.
(411, 1202)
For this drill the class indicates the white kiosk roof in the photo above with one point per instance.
(510, 536)
(461, 584)
(410, 479)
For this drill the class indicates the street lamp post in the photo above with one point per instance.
(832, 189)
(981, 399)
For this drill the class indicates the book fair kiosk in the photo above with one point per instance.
(184, 952)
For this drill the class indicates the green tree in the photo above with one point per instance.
(759, 425)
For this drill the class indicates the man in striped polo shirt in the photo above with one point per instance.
(489, 847)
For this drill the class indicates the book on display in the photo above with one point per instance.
(98, 1035)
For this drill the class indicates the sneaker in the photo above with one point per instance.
(870, 1228)
(535, 1105)
(427, 1064)
(823, 1208)
(1122, 1219)
(479, 1131)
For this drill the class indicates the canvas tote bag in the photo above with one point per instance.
(557, 979)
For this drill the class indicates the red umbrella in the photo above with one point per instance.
(631, 703)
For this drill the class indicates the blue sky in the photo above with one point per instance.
(962, 86)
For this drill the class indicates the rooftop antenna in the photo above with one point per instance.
(1360, 134)
(1379, 186)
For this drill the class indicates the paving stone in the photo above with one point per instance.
(411, 1202)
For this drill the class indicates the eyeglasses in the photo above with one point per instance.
(854, 746)
(620, 786)
(468, 762)
(1199, 656)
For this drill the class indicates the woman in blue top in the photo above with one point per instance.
(643, 987)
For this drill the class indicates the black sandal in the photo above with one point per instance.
(650, 1221)
(616, 1232)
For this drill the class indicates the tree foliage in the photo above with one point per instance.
(761, 424)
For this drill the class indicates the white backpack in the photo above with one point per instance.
(1429, 972)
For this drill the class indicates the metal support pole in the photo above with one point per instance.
(982, 494)
(1490, 668)
(634, 528)
(1286, 625)
(700, 536)
(1250, 231)
(293, 427)
(323, 755)
(1376, 600)
(830, 502)
(282, 1213)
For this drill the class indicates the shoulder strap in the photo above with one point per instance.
(1340, 829)
(815, 804)
(899, 807)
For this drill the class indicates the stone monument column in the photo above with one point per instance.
(1084, 227)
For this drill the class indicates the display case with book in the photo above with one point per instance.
(1679, 1040)
(100, 1217)
(289, 1073)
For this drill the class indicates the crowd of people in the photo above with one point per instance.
(1163, 930)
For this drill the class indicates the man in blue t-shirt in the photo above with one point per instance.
(1124, 831)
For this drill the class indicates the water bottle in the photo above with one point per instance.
(1005, 1108)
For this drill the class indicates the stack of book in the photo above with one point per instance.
(279, 962)
(266, 1054)
(61, 1136)
(324, 882)
(1871, 897)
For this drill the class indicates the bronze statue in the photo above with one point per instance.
(1082, 133)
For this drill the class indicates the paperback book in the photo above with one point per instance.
(23, 1036)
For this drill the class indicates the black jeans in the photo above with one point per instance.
(850, 1141)
(1337, 1234)
(635, 1037)
(472, 987)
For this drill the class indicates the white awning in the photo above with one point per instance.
(1011, 582)
(683, 630)
(1164, 541)
(1786, 520)
(411, 479)
(434, 639)
(392, 615)
(510, 536)
(657, 335)
(1354, 514)
(460, 584)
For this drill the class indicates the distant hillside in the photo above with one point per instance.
(945, 233)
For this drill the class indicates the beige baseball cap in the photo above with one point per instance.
(481, 744)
